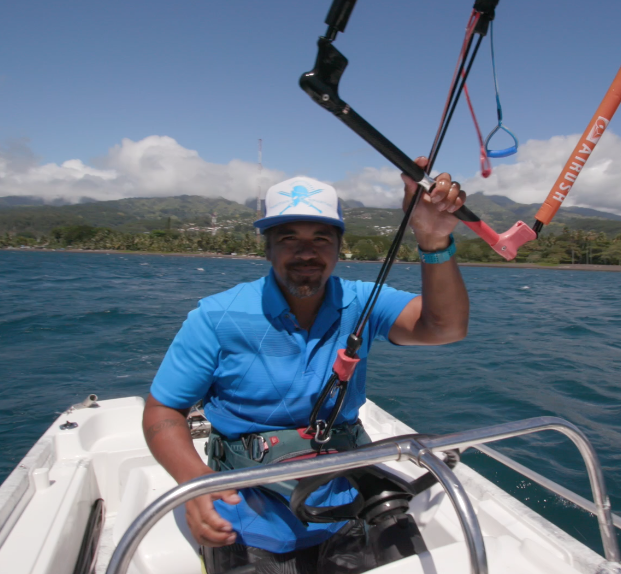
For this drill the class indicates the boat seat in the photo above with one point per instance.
(164, 549)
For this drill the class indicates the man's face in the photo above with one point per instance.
(303, 255)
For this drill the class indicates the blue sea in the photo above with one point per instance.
(541, 342)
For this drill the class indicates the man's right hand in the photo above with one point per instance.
(206, 525)
(168, 436)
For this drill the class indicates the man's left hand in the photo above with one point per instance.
(432, 220)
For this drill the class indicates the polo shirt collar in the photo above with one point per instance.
(337, 296)
(274, 300)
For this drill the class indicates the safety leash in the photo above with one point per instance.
(458, 83)
(347, 359)
(486, 166)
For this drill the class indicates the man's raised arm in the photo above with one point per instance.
(440, 314)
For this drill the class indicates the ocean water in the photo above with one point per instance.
(541, 342)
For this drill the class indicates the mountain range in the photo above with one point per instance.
(29, 215)
(498, 211)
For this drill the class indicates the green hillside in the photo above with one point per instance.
(131, 215)
(371, 229)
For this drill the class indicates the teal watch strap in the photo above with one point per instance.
(438, 256)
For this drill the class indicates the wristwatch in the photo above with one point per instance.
(438, 256)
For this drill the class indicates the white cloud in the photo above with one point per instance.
(159, 166)
(374, 187)
(156, 166)
(539, 163)
(528, 180)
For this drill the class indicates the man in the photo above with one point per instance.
(260, 353)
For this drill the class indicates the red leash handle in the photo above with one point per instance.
(486, 166)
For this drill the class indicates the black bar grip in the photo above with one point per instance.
(339, 14)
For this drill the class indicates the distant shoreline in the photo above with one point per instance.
(206, 255)
(575, 267)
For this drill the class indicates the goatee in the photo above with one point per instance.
(302, 287)
(303, 290)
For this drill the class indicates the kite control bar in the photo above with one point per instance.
(322, 83)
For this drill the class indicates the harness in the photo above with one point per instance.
(272, 447)
(382, 497)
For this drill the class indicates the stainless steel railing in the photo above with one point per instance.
(546, 483)
(402, 448)
(398, 450)
(538, 424)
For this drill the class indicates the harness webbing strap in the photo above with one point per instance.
(272, 447)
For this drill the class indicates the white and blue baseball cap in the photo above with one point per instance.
(301, 199)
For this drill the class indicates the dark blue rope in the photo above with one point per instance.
(510, 150)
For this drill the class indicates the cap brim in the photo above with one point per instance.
(268, 222)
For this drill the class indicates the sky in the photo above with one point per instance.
(139, 98)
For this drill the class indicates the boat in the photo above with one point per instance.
(89, 497)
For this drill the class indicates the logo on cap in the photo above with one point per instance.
(299, 194)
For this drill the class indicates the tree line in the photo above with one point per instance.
(564, 248)
(569, 246)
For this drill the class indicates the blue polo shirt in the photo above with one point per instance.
(243, 352)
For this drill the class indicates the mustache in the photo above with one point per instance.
(306, 264)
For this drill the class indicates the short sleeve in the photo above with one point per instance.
(388, 307)
(186, 373)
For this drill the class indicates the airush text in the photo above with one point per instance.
(571, 177)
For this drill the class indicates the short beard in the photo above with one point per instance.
(302, 288)
(303, 291)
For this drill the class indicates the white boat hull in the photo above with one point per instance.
(46, 501)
